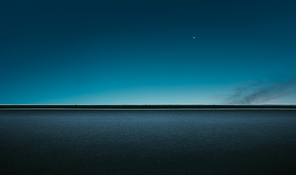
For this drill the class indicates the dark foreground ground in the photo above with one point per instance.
(148, 142)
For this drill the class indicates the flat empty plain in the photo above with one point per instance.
(148, 142)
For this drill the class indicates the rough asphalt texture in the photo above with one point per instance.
(147, 142)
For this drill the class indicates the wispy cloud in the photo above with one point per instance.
(258, 92)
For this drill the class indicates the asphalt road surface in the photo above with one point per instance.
(148, 142)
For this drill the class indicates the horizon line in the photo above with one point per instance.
(144, 107)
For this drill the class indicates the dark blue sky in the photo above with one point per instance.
(143, 52)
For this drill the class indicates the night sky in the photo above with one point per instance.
(144, 52)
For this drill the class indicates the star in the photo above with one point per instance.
(194, 37)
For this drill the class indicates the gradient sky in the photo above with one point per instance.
(143, 52)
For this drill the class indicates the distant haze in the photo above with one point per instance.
(262, 92)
